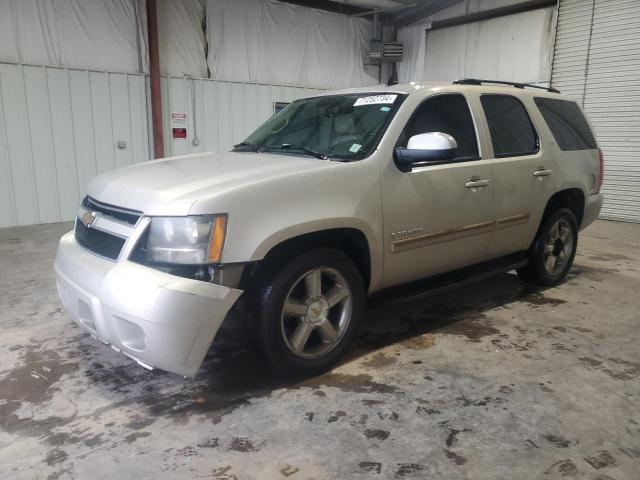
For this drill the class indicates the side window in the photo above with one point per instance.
(567, 124)
(511, 130)
(447, 113)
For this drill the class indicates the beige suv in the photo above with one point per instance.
(334, 198)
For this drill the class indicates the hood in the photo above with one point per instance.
(171, 186)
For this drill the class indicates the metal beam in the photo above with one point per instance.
(382, 10)
(329, 6)
(154, 68)
(493, 13)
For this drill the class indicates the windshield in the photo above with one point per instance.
(346, 127)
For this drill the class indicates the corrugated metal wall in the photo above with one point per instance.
(597, 61)
(60, 127)
(225, 112)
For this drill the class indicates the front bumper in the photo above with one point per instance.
(157, 319)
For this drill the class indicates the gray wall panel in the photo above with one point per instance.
(60, 127)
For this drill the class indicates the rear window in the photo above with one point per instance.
(512, 132)
(567, 124)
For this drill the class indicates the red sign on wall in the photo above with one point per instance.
(179, 133)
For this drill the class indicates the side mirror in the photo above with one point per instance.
(425, 148)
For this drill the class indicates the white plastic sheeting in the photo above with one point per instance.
(271, 42)
(515, 47)
(411, 68)
(261, 41)
(181, 39)
(85, 34)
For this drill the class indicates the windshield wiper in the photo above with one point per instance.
(255, 148)
(310, 151)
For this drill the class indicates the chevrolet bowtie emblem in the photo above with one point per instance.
(88, 218)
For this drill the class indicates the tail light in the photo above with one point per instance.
(598, 184)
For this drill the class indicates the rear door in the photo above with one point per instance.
(523, 172)
(437, 217)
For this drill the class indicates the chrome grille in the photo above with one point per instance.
(120, 214)
(99, 242)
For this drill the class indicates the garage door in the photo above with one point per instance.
(597, 60)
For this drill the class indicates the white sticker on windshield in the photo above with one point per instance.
(375, 100)
(355, 148)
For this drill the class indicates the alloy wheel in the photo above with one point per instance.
(316, 312)
(558, 247)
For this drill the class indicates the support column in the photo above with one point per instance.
(154, 68)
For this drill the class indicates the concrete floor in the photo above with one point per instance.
(491, 381)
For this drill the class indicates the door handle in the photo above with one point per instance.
(542, 172)
(475, 183)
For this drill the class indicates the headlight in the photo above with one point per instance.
(191, 240)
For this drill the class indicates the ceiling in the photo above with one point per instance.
(378, 4)
(401, 12)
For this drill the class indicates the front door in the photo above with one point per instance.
(438, 217)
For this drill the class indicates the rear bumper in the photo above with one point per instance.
(159, 320)
(591, 210)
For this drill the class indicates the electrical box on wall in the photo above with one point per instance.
(385, 51)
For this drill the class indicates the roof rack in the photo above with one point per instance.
(477, 81)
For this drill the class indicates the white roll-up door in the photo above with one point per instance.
(597, 61)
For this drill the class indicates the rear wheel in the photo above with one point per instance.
(552, 253)
(309, 311)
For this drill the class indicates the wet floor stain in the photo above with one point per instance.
(360, 383)
(454, 457)
(379, 360)
(212, 442)
(406, 469)
(562, 468)
(132, 437)
(336, 416)
(419, 342)
(242, 444)
(601, 459)
(371, 467)
(620, 370)
(559, 441)
(56, 456)
(594, 274)
(538, 299)
(453, 433)
(376, 434)
(473, 328)
(289, 470)
(32, 382)
(610, 257)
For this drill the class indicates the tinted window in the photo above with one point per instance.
(511, 130)
(447, 114)
(567, 123)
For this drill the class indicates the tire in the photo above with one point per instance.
(551, 255)
(319, 321)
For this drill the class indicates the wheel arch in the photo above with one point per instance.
(352, 241)
(571, 198)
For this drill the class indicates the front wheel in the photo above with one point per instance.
(309, 311)
(552, 253)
